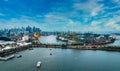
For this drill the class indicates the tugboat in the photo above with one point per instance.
(38, 64)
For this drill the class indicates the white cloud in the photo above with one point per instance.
(91, 6)
(95, 23)
(96, 10)
(116, 13)
(52, 18)
(113, 24)
(71, 22)
(78, 26)
(71, 18)
(107, 24)
(72, 25)
(116, 1)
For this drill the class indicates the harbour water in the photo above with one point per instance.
(63, 60)
(52, 40)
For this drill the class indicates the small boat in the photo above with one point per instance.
(50, 53)
(19, 56)
(30, 48)
(16, 52)
(38, 64)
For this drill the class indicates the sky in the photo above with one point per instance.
(61, 15)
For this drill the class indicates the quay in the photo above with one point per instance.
(7, 58)
(4, 53)
(64, 46)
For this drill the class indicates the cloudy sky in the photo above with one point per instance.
(61, 15)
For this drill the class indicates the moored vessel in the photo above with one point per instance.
(38, 64)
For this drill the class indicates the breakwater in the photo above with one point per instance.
(64, 46)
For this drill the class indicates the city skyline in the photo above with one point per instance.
(61, 15)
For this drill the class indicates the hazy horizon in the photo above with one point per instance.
(94, 32)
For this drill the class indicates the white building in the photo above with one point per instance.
(25, 38)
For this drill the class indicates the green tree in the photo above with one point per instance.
(74, 36)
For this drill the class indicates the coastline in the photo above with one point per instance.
(80, 47)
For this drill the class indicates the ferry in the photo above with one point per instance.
(38, 64)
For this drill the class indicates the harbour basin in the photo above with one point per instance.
(63, 60)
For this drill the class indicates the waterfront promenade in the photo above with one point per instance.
(64, 46)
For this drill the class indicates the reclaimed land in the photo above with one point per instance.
(21, 48)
